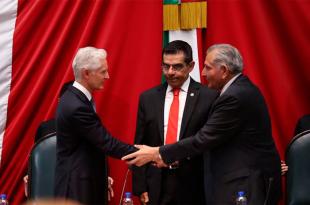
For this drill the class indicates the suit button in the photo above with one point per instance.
(188, 158)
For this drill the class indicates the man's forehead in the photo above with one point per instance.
(103, 60)
(210, 56)
(179, 56)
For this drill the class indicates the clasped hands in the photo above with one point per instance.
(144, 155)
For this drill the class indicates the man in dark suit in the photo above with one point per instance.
(82, 141)
(183, 183)
(46, 128)
(239, 152)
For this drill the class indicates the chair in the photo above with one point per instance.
(298, 175)
(42, 162)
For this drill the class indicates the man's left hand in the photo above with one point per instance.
(110, 189)
(26, 181)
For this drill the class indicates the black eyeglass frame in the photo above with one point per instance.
(175, 67)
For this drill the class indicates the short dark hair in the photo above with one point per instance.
(65, 87)
(178, 46)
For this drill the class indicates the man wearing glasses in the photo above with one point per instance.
(168, 113)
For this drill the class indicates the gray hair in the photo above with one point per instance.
(88, 57)
(227, 55)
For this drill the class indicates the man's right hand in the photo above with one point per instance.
(144, 198)
(144, 155)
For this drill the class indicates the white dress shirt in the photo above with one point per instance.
(80, 87)
(168, 102)
(229, 83)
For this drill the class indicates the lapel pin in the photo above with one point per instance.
(192, 94)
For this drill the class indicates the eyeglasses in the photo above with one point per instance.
(175, 67)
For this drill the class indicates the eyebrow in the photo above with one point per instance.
(172, 64)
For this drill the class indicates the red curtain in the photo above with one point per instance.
(273, 37)
(47, 35)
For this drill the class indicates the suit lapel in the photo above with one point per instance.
(191, 100)
(160, 109)
(239, 78)
(81, 96)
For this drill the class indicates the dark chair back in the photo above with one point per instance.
(298, 175)
(42, 162)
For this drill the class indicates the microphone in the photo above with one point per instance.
(270, 180)
(124, 185)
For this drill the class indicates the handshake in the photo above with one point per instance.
(144, 155)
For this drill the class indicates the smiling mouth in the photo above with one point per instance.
(172, 79)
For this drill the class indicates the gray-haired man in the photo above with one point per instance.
(82, 141)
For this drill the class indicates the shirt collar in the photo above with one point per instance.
(184, 87)
(80, 87)
(229, 83)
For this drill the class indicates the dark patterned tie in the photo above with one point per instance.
(93, 104)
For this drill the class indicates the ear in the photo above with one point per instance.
(191, 66)
(85, 73)
(225, 71)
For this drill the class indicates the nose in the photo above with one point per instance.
(107, 76)
(171, 70)
(204, 72)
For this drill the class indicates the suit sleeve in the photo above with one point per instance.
(222, 125)
(88, 125)
(139, 173)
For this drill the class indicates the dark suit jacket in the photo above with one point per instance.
(242, 154)
(82, 143)
(150, 131)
